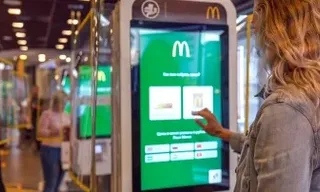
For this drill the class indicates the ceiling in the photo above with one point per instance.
(44, 20)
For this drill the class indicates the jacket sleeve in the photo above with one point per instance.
(283, 150)
(236, 141)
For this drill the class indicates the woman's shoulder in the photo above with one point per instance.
(290, 103)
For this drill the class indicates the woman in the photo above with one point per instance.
(52, 123)
(281, 153)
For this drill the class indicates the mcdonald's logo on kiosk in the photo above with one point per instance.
(182, 47)
(213, 12)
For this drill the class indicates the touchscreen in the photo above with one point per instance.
(180, 72)
(103, 110)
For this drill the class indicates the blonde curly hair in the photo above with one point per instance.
(288, 33)
(58, 98)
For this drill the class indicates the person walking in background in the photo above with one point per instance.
(51, 125)
(35, 108)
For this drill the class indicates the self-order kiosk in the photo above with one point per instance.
(173, 57)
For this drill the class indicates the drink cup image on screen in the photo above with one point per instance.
(197, 101)
(196, 98)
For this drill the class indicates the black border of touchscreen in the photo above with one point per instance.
(135, 86)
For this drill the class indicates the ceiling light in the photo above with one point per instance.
(59, 46)
(63, 40)
(2, 66)
(22, 42)
(68, 59)
(41, 57)
(23, 57)
(24, 48)
(20, 35)
(73, 21)
(62, 57)
(17, 25)
(66, 32)
(12, 2)
(14, 11)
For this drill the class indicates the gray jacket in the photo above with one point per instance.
(282, 150)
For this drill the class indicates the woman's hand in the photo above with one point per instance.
(213, 127)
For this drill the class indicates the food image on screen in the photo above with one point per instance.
(197, 100)
(177, 77)
(164, 106)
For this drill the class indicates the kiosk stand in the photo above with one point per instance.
(170, 58)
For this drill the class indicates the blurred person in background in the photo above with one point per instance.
(35, 109)
(51, 125)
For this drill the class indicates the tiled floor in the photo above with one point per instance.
(21, 167)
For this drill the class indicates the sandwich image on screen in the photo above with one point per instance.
(164, 106)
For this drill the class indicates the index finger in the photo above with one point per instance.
(205, 113)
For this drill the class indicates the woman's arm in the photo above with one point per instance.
(236, 141)
(283, 150)
(214, 128)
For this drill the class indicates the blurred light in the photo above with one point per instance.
(42, 57)
(12, 2)
(85, 0)
(20, 35)
(24, 103)
(59, 46)
(75, 73)
(241, 18)
(66, 32)
(22, 42)
(63, 40)
(62, 57)
(14, 11)
(239, 27)
(68, 59)
(2, 66)
(73, 21)
(86, 59)
(17, 24)
(56, 77)
(24, 48)
(104, 21)
(23, 57)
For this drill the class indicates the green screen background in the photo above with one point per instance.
(103, 113)
(156, 58)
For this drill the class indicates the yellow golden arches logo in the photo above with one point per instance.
(102, 76)
(213, 13)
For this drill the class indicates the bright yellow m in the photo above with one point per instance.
(101, 76)
(213, 13)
